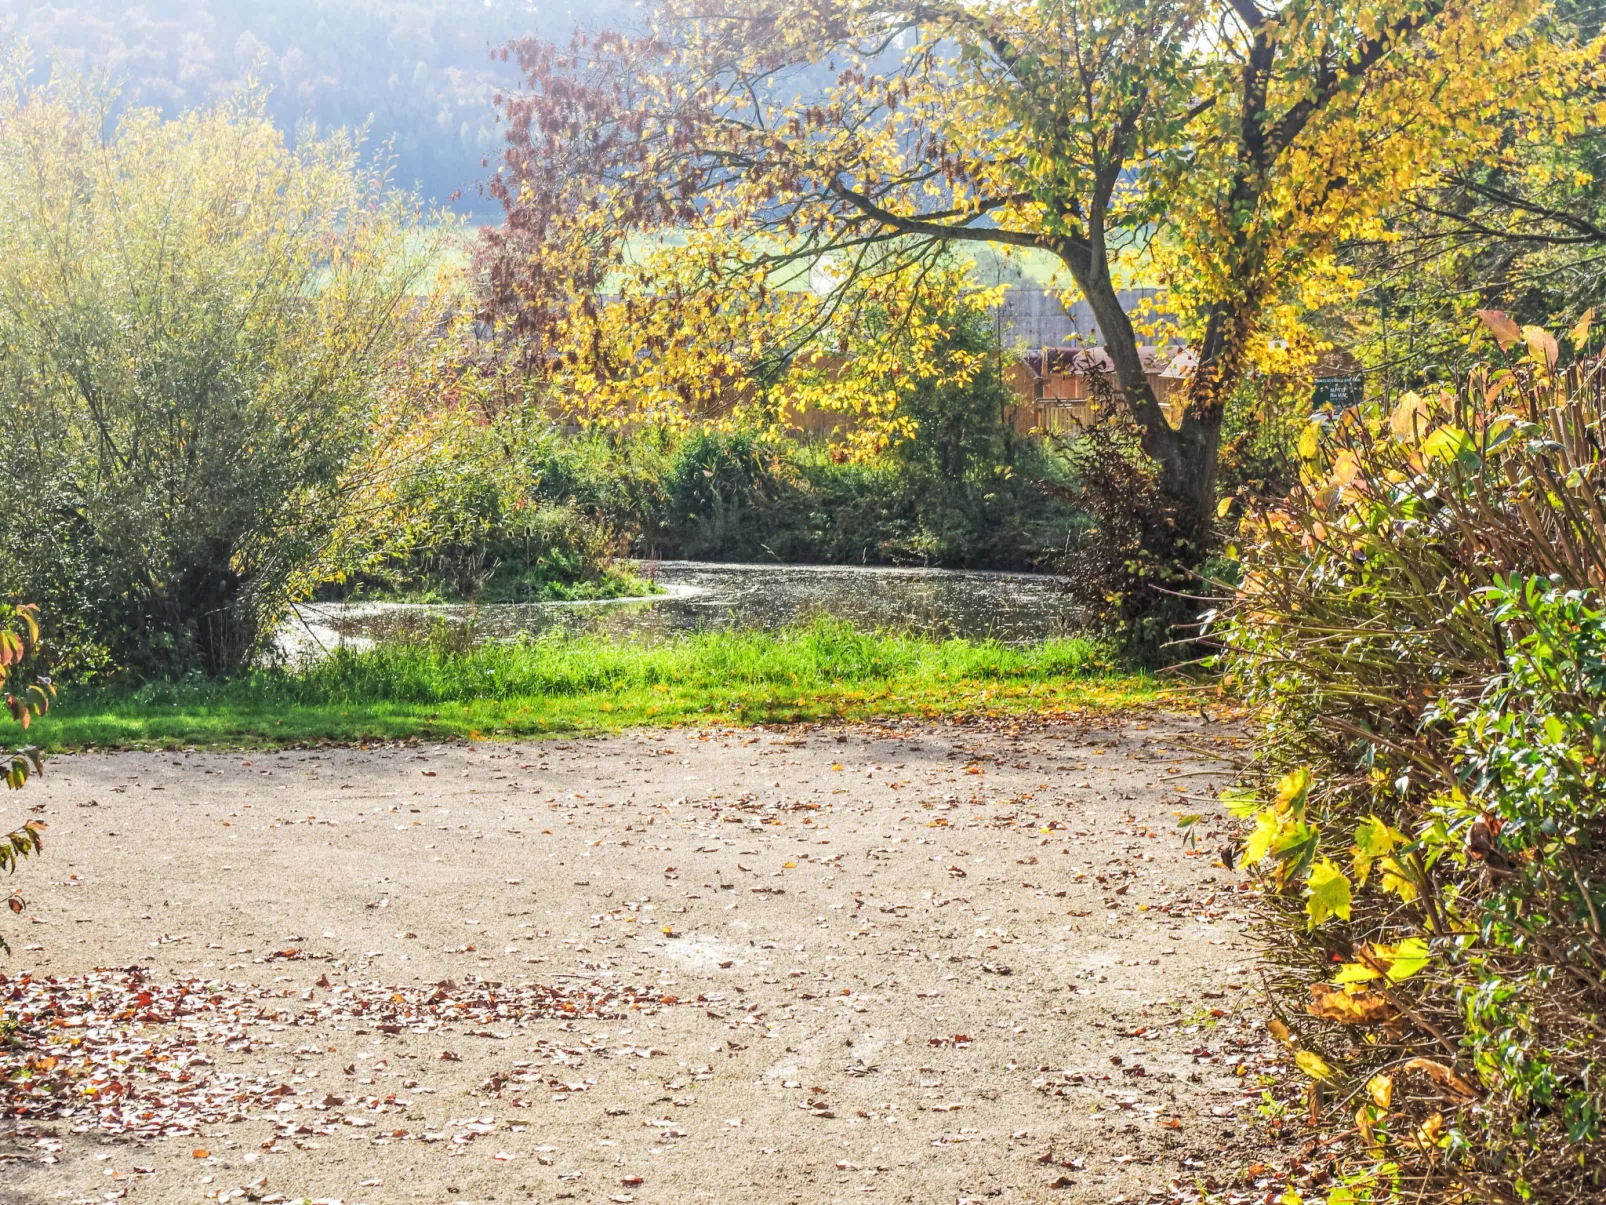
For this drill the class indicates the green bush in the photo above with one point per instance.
(747, 496)
(197, 323)
(1130, 563)
(19, 642)
(1420, 626)
(966, 490)
(490, 498)
(485, 510)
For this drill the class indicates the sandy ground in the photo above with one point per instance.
(922, 963)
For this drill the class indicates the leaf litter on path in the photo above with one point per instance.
(118, 1052)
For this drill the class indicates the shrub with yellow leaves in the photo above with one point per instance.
(1421, 625)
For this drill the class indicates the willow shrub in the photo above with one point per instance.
(197, 326)
(1421, 622)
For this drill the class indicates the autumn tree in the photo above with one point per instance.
(1522, 229)
(667, 192)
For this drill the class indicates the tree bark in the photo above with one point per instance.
(1186, 454)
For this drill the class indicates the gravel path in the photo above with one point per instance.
(922, 963)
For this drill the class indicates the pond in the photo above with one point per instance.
(1016, 608)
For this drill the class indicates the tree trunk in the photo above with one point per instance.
(1186, 455)
(1190, 478)
(1221, 352)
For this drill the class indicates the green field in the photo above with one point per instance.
(564, 686)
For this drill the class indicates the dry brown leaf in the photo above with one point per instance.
(1505, 331)
(1444, 1077)
(1348, 1008)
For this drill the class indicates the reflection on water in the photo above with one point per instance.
(1012, 607)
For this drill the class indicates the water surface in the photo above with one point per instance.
(1016, 608)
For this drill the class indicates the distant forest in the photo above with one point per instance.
(418, 73)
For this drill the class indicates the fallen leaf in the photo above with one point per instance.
(1349, 1007)
(1443, 1076)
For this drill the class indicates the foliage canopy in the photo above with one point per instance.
(668, 193)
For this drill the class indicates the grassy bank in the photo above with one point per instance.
(548, 686)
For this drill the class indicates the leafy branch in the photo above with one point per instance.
(19, 639)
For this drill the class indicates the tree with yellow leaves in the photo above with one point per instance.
(670, 195)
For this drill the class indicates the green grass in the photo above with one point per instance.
(827, 671)
(519, 584)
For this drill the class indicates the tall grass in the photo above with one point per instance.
(822, 655)
(556, 683)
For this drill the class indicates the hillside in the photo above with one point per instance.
(419, 73)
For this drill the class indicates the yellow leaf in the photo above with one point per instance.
(1267, 825)
(1407, 958)
(1579, 335)
(1395, 879)
(1374, 838)
(1293, 788)
(1397, 962)
(1310, 441)
(1381, 1089)
(1327, 893)
(1348, 1007)
(1313, 1065)
(1355, 972)
(1542, 347)
(1444, 1077)
(1365, 1118)
(1427, 1134)
(1448, 443)
(1409, 421)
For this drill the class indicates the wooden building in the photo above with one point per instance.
(1056, 391)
